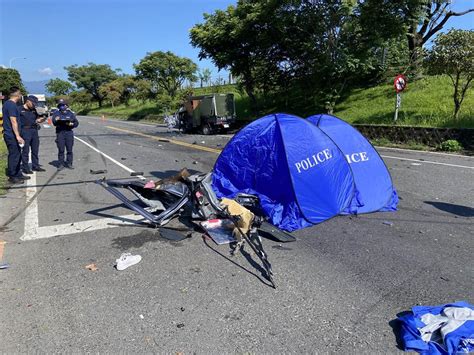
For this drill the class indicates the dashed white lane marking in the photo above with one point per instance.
(428, 162)
(33, 231)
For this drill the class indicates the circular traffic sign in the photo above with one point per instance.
(400, 83)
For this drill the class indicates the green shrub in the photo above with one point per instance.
(451, 145)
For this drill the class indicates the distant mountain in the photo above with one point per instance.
(36, 87)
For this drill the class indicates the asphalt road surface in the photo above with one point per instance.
(339, 286)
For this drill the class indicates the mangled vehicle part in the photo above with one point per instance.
(194, 196)
(181, 193)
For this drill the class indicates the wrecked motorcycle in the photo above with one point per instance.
(192, 196)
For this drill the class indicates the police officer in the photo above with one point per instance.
(29, 130)
(65, 121)
(12, 136)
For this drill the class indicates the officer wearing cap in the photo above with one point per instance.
(12, 136)
(29, 130)
(65, 121)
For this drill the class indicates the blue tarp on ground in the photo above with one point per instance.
(304, 171)
(439, 330)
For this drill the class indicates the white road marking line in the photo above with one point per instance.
(33, 231)
(82, 226)
(423, 152)
(31, 212)
(428, 162)
(110, 158)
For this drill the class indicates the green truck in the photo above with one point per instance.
(207, 113)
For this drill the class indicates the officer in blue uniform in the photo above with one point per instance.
(65, 121)
(30, 124)
(12, 136)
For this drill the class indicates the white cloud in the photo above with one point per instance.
(3, 66)
(46, 71)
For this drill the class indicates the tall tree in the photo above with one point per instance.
(119, 90)
(273, 45)
(80, 97)
(238, 39)
(206, 76)
(166, 71)
(143, 90)
(59, 87)
(90, 77)
(418, 20)
(8, 78)
(453, 54)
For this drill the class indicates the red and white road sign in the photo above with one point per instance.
(400, 83)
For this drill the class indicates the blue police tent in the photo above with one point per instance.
(303, 170)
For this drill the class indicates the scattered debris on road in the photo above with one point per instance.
(443, 329)
(92, 267)
(126, 260)
(4, 266)
(97, 172)
(235, 203)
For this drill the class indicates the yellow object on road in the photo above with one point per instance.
(245, 217)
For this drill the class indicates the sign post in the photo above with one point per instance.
(400, 83)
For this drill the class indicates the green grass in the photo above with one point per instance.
(384, 142)
(153, 112)
(135, 111)
(426, 102)
(3, 167)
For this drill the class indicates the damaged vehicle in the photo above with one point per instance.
(279, 173)
(231, 221)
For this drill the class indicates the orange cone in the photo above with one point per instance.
(50, 121)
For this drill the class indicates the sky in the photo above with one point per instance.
(52, 34)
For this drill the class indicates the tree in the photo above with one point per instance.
(237, 39)
(418, 20)
(8, 78)
(143, 90)
(166, 71)
(276, 46)
(90, 77)
(59, 87)
(118, 90)
(205, 76)
(453, 54)
(81, 97)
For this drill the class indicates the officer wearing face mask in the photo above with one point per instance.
(30, 124)
(65, 121)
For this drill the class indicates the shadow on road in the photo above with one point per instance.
(458, 210)
(395, 324)
(205, 240)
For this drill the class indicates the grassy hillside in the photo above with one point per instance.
(426, 102)
(150, 111)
